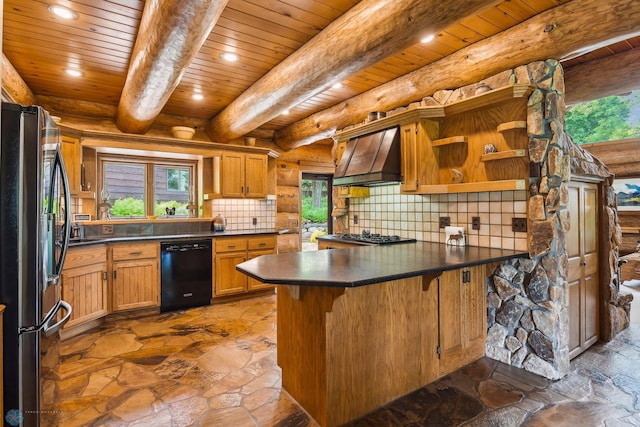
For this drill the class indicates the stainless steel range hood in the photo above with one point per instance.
(370, 159)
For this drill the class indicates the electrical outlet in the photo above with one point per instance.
(254, 221)
(445, 221)
(475, 223)
(355, 219)
(107, 229)
(519, 225)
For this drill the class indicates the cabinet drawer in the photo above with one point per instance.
(262, 242)
(231, 245)
(135, 251)
(79, 257)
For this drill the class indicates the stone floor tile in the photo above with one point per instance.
(216, 366)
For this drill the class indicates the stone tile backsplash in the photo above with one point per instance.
(386, 211)
(239, 213)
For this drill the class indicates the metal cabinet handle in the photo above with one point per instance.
(135, 253)
(262, 244)
(583, 263)
(231, 246)
(114, 274)
(105, 275)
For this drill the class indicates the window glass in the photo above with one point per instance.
(172, 190)
(124, 187)
(606, 119)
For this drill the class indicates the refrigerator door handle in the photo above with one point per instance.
(44, 326)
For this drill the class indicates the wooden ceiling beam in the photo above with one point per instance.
(611, 75)
(556, 33)
(170, 35)
(369, 32)
(13, 84)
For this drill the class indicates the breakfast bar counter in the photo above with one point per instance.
(360, 327)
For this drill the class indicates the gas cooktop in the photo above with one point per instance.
(375, 238)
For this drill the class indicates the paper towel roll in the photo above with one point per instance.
(455, 236)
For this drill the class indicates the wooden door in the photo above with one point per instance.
(584, 284)
(135, 284)
(409, 161)
(232, 179)
(71, 154)
(463, 318)
(256, 175)
(228, 279)
(85, 288)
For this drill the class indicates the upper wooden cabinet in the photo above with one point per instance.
(72, 156)
(443, 147)
(244, 175)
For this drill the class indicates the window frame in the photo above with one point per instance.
(150, 164)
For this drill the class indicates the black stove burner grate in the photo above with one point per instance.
(375, 238)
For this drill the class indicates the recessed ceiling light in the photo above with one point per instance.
(197, 96)
(337, 85)
(62, 12)
(285, 112)
(427, 39)
(74, 72)
(229, 56)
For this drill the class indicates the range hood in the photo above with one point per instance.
(370, 159)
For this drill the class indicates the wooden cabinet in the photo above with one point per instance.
(442, 147)
(463, 317)
(84, 284)
(232, 251)
(584, 283)
(244, 175)
(631, 269)
(135, 277)
(72, 156)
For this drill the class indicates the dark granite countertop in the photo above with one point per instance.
(74, 243)
(367, 265)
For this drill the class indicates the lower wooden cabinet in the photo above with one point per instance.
(84, 284)
(232, 251)
(135, 278)
(463, 317)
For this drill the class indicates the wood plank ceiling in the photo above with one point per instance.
(261, 32)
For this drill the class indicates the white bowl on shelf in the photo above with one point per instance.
(182, 132)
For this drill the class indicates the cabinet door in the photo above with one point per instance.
(135, 284)
(85, 288)
(256, 175)
(71, 154)
(232, 181)
(584, 283)
(228, 279)
(463, 320)
(253, 284)
(409, 158)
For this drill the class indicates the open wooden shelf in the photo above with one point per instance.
(518, 124)
(474, 187)
(501, 155)
(449, 140)
(488, 99)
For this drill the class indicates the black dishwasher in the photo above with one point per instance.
(185, 279)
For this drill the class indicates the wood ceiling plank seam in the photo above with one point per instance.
(122, 5)
(246, 58)
(219, 42)
(292, 11)
(480, 25)
(319, 8)
(464, 33)
(256, 33)
(251, 44)
(386, 70)
(46, 19)
(54, 63)
(452, 42)
(267, 25)
(438, 47)
(49, 49)
(66, 31)
(55, 72)
(203, 68)
(498, 18)
(517, 9)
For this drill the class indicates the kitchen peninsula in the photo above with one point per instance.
(359, 327)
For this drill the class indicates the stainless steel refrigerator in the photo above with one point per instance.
(34, 235)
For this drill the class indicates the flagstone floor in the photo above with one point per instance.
(216, 366)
